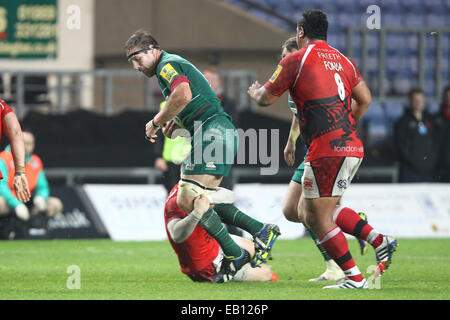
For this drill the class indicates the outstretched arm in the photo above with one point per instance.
(261, 96)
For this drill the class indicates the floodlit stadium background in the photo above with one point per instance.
(65, 74)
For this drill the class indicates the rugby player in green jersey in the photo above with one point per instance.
(191, 105)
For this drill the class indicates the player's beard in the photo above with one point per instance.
(149, 72)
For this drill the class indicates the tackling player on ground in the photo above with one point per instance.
(199, 254)
(291, 201)
(192, 105)
(330, 97)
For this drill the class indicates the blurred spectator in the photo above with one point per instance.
(212, 75)
(443, 125)
(169, 155)
(415, 141)
(36, 213)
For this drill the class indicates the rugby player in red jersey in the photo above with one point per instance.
(330, 96)
(199, 254)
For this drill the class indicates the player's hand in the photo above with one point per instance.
(21, 188)
(289, 154)
(253, 89)
(150, 132)
(201, 205)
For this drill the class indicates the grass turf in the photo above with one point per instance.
(150, 270)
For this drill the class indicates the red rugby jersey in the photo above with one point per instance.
(4, 110)
(199, 250)
(320, 81)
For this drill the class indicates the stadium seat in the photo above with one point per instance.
(416, 6)
(436, 19)
(392, 20)
(394, 110)
(432, 107)
(434, 6)
(414, 19)
(401, 84)
(377, 131)
(375, 111)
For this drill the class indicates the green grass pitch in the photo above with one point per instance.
(150, 270)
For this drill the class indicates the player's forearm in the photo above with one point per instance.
(260, 97)
(15, 135)
(294, 133)
(361, 99)
(359, 109)
(176, 102)
(181, 229)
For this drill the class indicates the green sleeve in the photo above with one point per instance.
(169, 72)
(5, 192)
(42, 189)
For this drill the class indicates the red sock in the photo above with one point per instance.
(351, 223)
(336, 246)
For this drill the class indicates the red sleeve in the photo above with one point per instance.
(177, 81)
(5, 109)
(284, 76)
(172, 211)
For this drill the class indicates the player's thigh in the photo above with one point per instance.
(291, 201)
(328, 177)
(192, 186)
(214, 149)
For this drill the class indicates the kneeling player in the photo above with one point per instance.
(198, 253)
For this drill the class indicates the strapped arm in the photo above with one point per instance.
(181, 229)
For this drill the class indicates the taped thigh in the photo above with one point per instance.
(191, 188)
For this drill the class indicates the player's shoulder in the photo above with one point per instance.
(171, 209)
(293, 57)
(171, 58)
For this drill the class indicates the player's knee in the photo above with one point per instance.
(54, 206)
(290, 212)
(311, 219)
(302, 217)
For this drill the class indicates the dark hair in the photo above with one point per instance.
(290, 44)
(414, 91)
(314, 23)
(141, 39)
